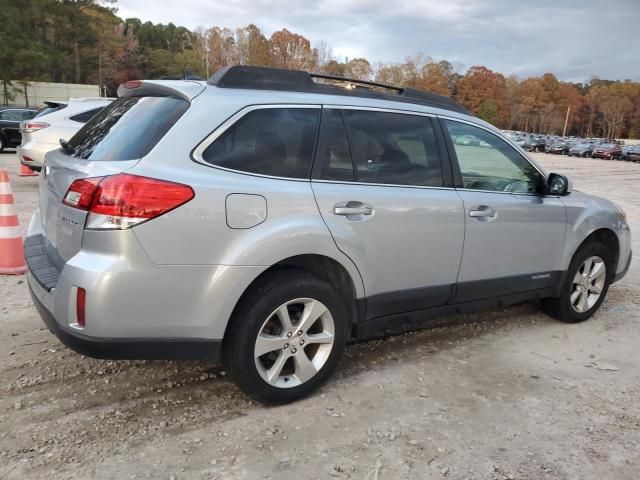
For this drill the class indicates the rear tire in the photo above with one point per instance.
(265, 351)
(585, 285)
(2, 144)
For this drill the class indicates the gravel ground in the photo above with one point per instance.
(507, 394)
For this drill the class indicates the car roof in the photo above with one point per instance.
(275, 84)
(247, 77)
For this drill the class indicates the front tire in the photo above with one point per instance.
(585, 285)
(2, 144)
(286, 337)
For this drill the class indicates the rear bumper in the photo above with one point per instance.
(127, 348)
(46, 283)
(33, 156)
(605, 156)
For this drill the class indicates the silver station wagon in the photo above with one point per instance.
(267, 216)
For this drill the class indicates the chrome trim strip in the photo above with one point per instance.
(380, 109)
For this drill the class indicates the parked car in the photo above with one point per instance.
(624, 149)
(57, 121)
(633, 154)
(263, 219)
(581, 150)
(558, 147)
(10, 119)
(608, 151)
(535, 144)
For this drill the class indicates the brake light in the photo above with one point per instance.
(29, 127)
(122, 201)
(132, 84)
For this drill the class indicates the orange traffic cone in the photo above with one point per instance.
(11, 253)
(26, 171)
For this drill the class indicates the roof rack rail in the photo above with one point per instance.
(268, 78)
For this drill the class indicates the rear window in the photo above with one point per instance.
(84, 117)
(126, 129)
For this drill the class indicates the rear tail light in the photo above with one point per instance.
(81, 300)
(29, 127)
(132, 84)
(122, 201)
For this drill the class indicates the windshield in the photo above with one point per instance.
(127, 129)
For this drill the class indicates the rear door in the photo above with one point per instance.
(381, 187)
(514, 234)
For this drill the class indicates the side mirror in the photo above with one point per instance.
(558, 185)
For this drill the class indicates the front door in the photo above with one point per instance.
(381, 191)
(514, 234)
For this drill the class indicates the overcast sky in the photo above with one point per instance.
(575, 39)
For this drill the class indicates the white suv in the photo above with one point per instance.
(57, 121)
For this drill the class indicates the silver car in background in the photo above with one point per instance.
(59, 120)
(266, 216)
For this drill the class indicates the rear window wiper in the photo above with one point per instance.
(67, 147)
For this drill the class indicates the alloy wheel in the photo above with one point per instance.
(294, 342)
(588, 283)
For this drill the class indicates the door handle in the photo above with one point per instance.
(483, 212)
(352, 210)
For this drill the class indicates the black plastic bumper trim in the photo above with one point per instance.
(39, 263)
(626, 269)
(131, 348)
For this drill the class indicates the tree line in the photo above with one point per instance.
(83, 41)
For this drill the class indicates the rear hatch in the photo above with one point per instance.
(110, 143)
(27, 127)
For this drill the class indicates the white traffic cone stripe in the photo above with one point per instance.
(7, 209)
(5, 188)
(10, 232)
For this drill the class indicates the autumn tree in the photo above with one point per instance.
(434, 79)
(253, 46)
(85, 41)
(291, 50)
(359, 69)
(484, 93)
(392, 74)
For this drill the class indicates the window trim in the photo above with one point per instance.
(445, 161)
(457, 174)
(197, 152)
(316, 168)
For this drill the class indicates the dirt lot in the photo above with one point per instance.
(509, 394)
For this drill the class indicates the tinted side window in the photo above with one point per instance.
(268, 141)
(84, 117)
(488, 163)
(11, 115)
(333, 156)
(393, 148)
(128, 128)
